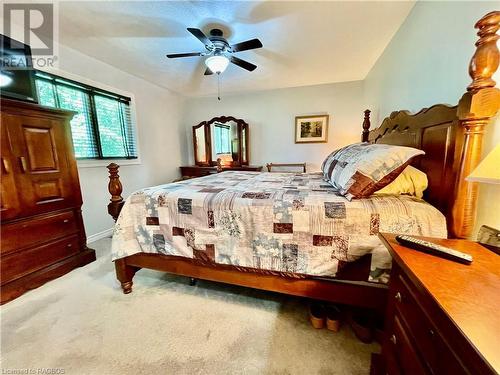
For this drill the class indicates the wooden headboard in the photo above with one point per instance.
(451, 136)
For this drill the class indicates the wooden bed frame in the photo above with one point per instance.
(451, 138)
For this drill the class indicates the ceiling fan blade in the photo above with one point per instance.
(208, 72)
(176, 55)
(200, 35)
(243, 64)
(246, 45)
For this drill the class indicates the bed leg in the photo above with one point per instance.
(192, 281)
(125, 273)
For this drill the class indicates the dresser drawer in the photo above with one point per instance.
(429, 345)
(406, 357)
(23, 262)
(445, 312)
(28, 233)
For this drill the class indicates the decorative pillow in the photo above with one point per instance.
(411, 182)
(360, 169)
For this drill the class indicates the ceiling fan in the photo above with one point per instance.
(220, 52)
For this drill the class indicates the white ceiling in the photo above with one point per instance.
(305, 42)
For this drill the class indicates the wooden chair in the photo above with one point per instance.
(293, 165)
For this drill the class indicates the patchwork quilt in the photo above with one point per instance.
(291, 224)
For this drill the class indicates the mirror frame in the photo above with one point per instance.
(208, 150)
(242, 126)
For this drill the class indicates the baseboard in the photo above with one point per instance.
(98, 236)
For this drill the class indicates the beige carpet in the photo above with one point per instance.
(82, 323)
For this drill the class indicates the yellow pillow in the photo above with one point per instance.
(411, 182)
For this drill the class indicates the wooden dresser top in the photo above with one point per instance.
(469, 295)
(211, 167)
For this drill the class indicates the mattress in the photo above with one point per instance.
(295, 225)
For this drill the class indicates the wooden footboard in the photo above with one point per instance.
(355, 293)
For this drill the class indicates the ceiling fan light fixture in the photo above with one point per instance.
(217, 64)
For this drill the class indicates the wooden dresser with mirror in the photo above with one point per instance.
(221, 143)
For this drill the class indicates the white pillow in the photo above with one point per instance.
(411, 181)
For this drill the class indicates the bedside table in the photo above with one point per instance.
(442, 317)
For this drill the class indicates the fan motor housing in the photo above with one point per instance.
(220, 43)
(216, 32)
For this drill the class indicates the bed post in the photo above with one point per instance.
(476, 107)
(124, 272)
(366, 126)
(115, 189)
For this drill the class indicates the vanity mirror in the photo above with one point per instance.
(224, 138)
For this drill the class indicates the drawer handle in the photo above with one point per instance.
(393, 339)
(66, 221)
(398, 297)
(6, 166)
(69, 245)
(24, 166)
(431, 332)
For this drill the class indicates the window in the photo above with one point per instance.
(102, 127)
(222, 138)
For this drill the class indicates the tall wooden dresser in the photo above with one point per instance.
(42, 233)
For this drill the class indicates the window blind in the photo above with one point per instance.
(102, 127)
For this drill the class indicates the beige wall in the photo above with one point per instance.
(161, 140)
(271, 117)
(426, 63)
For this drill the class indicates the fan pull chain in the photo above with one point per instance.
(218, 85)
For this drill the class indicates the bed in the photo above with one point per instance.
(289, 224)
(234, 227)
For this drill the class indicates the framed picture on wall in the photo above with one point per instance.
(311, 129)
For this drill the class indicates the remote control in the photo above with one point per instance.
(434, 249)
